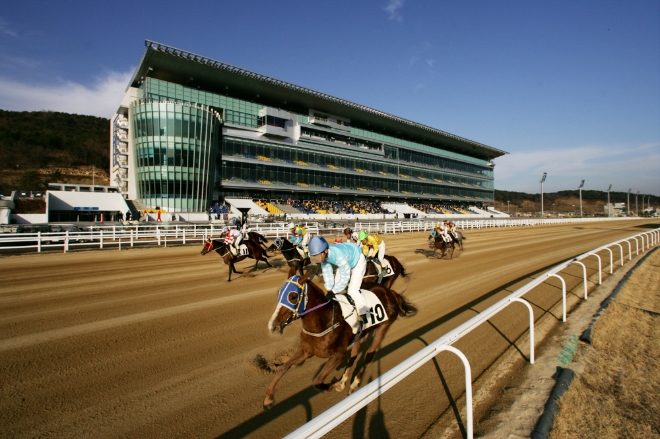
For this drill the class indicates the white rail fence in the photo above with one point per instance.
(134, 235)
(335, 415)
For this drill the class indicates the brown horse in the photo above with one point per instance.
(440, 244)
(371, 275)
(324, 332)
(254, 252)
(257, 238)
(291, 254)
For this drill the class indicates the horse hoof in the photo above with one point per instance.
(268, 405)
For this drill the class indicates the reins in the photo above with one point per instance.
(297, 315)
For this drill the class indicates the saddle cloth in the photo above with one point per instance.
(375, 316)
(388, 268)
(244, 251)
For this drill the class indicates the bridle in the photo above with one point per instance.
(303, 297)
(279, 247)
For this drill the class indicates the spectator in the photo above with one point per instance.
(128, 215)
(158, 213)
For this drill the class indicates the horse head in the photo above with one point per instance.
(291, 301)
(209, 246)
(277, 245)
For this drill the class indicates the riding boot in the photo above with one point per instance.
(361, 320)
(379, 268)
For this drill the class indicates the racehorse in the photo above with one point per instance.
(258, 239)
(254, 251)
(440, 244)
(291, 254)
(371, 275)
(458, 238)
(324, 333)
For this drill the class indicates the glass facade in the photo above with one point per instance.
(182, 158)
(175, 148)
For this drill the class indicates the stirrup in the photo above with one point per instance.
(358, 333)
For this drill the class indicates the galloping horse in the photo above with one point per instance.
(258, 239)
(458, 238)
(372, 276)
(291, 254)
(440, 244)
(324, 332)
(254, 251)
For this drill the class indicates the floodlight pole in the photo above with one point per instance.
(609, 206)
(628, 203)
(580, 188)
(545, 174)
(636, 205)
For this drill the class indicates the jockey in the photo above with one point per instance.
(233, 239)
(451, 227)
(299, 237)
(351, 266)
(352, 236)
(373, 245)
(442, 230)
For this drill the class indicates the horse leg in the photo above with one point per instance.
(378, 338)
(297, 358)
(231, 265)
(340, 385)
(331, 365)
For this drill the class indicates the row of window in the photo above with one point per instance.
(282, 176)
(274, 152)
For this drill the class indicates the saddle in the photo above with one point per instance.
(375, 315)
(244, 251)
(380, 271)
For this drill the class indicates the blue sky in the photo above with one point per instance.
(571, 88)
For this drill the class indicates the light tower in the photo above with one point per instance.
(636, 205)
(609, 206)
(628, 204)
(545, 174)
(580, 188)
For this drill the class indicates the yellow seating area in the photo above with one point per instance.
(264, 182)
(421, 178)
(403, 176)
(300, 162)
(361, 189)
(264, 158)
(360, 170)
(302, 184)
(331, 166)
(438, 180)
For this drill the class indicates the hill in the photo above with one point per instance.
(34, 145)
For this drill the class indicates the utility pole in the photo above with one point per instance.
(609, 206)
(581, 185)
(636, 205)
(545, 174)
(628, 204)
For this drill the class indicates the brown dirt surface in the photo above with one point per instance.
(615, 394)
(146, 343)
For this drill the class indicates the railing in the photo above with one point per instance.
(335, 415)
(111, 236)
(139, 234)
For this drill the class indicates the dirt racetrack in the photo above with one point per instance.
(152, 343)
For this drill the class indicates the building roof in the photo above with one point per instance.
(181, 67)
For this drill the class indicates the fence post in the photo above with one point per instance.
(120, 243)
(66, 241)
(39, 242)
(101, 237)
(184, 236)
(158, 234)
(131, 237)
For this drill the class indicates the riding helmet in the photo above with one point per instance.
(362, 235)
(317, 245)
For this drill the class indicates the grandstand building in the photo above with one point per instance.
(191, 130)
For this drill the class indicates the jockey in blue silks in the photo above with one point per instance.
(351, 267)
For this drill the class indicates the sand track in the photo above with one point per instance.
(155, 342)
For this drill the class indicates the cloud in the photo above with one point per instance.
(100, 99)
(623, 166)
(430, 62)
(19, 61)
(5, 29)
(392, 9)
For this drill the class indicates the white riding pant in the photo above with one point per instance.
(353, 287)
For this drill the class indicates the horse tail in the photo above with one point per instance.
(403, 270)
(403, 307)
(262, 238)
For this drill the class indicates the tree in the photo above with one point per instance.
(31, 181)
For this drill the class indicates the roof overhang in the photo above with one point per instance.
(178, 66)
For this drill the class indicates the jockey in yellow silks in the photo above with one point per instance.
(373, 245)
